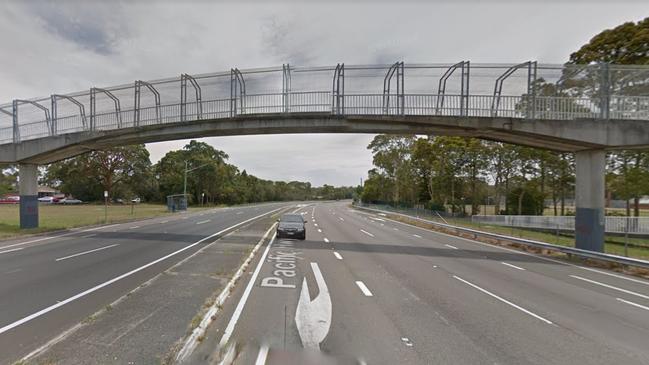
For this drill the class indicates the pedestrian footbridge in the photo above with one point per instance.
(586, 109)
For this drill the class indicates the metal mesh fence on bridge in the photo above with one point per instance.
(527, 91)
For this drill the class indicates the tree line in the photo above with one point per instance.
(456, 173)
(127, 172)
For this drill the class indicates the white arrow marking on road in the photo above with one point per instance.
(313, 317)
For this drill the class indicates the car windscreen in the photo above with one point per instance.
(292, 218)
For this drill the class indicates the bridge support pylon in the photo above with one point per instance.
(589, 191)
(28, 188)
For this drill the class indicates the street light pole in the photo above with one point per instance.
(185, 181)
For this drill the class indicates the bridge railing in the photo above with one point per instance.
(525, 91)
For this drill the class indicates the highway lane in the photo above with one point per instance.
(400, 294)
(36, 279)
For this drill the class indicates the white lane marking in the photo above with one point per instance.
(208, 317)
(514, 266)
(163, 222)
(315, 224)
(319, 230)
(638, 281)
(86, 252)
(633, 304)
(503, 300)
(367, 233)
(416, 235)
(364, 289)
(89, 235)
(451, 246)
(12, 250)
(313, 317)
(134, 227)
(239, 213)
(120, 277)
(338, 255)
(377, 219)
(611, 287)
(203, 222)
(244, 298)
(341, 218)
(59, 236)
(263, 354)
(396, 229)
(326, 240)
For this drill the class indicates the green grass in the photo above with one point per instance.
(57, 217)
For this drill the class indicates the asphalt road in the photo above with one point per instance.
(365, 289)
(50, 283)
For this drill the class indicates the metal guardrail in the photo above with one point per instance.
(526, 91)
(621, 260)
(612, 224)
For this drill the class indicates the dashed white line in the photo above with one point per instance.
(239, 213)
(326, 240)
(396, 229)
(416, 235)
(338, 256)
(633, 304)
(364, 289)
(263, 354)
(315, 224)
(86, 252)
(451, 246)
(319, 230)
(341, 218)
(134, 227)
(514, 266)
(163, 222)
(503, 300)
(203, 222)
(367, 233)
(611, 287)
(12, 250)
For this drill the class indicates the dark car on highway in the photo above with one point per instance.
(291, 226)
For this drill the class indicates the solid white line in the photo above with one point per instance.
(611, 287)
(203, 222)
(364, 289)
(263, 354)
(86, 252)
(503, 300)
(120, 277)
(367, 233)
(633, 304)
(12, 250)
(208, 317)
(338, 255)
(244, 298)
(638, 281)
(326, 240)
(450, 246)
(514, 266)
(416, 235)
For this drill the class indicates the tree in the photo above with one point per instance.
(124, 169)
(626, 44)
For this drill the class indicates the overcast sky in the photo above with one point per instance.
(57, 47)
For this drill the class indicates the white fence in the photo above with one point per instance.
(630, 225)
